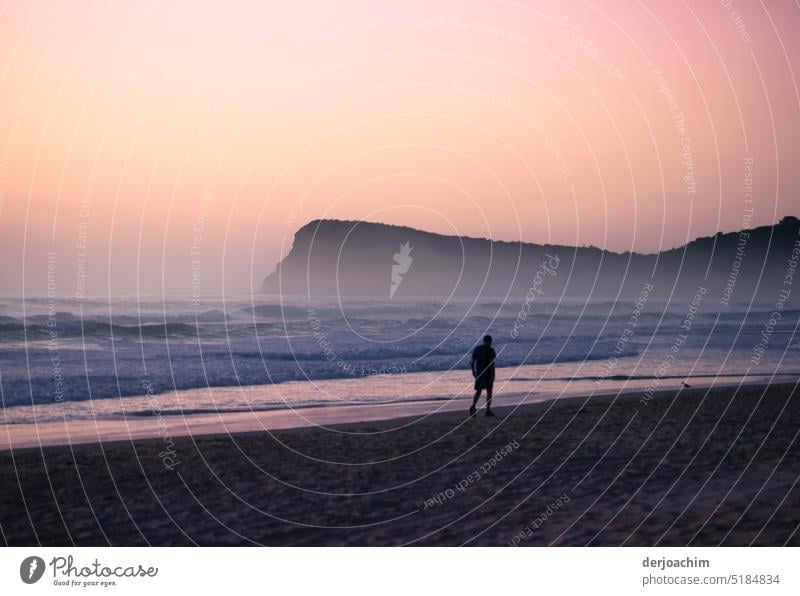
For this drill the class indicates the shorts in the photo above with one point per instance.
(484, 381)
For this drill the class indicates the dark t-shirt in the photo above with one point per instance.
(483, 357)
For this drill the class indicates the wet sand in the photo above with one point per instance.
(695, 467)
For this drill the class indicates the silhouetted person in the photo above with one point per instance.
(483, 358)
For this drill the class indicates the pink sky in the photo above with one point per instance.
(133, 132)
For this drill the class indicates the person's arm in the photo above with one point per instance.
(472, 365)
(491, 364)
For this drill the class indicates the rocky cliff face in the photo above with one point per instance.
(361, 259)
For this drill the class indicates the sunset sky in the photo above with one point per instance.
(144, 145)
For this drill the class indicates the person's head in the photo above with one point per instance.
(487, 340)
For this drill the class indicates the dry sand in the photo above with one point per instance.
(696, 467)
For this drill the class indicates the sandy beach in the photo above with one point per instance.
(692, 467)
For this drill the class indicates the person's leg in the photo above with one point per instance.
(489, 401)
(475, 401)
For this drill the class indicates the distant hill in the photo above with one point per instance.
(363, 259)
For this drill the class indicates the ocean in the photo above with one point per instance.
(109, 359)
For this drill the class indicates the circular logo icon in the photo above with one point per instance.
(31, 569)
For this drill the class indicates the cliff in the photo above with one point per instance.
(362, 259)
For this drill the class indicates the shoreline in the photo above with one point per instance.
(87, 431)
